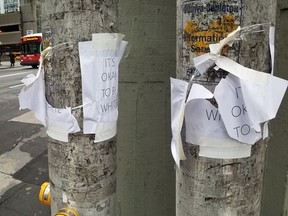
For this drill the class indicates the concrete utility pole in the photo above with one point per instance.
(82, 173)
(275, 196)
(214, 186)
(146, 176)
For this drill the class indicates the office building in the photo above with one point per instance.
(18, 18)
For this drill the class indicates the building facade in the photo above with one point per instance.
(10, 25)
(9, 6)
(18, 18)
(31, 16)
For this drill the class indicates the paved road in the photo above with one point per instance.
(23, 150)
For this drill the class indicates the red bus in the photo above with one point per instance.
(30, 49)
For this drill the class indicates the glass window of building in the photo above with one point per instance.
(11, 6)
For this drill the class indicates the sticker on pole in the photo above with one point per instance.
(204, 23)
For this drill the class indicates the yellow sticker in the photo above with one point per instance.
(199, 39)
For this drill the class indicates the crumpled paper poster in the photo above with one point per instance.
(244, 103)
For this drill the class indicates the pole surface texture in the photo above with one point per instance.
(82, 173)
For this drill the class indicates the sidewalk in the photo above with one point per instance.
(21, 199)
(6, 65)
(23, 158)
(20, 184)
(21, 187)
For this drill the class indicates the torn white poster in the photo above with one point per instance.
(178, 96)
(59, 122)
(99, 61)
(234, 112)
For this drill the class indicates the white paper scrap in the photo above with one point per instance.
(105, 131)
(32, 96)
(178, 96)
(224, 149)
(265, 130)
(272, 47)
(199, 92)
(107, 41)
(60, 122)
(204, 62)
(263, 101)
(29, 79)
(234, 112)
(229, 40)
(244, 73)
(174, 152)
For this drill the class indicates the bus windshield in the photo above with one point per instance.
(30, 48)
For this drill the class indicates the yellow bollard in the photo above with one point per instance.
(66, 212)
(44, 194)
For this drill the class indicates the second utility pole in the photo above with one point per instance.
(221, 187)
(82, 173)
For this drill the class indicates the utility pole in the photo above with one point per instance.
(275, 196)
(206, 186)
(145, 168)
(82, 173)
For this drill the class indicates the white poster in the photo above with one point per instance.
(99, 60)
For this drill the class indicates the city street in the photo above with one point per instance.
(23, 149)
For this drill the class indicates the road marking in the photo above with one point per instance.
(7, 182)
(16, 86)
(26, 118)
(16, 74)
